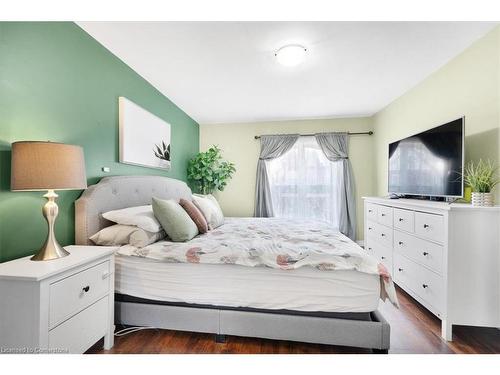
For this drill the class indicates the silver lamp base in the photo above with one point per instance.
(51, 249)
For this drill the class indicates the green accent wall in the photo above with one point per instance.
(57, 83)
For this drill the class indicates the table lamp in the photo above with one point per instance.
(40, 166)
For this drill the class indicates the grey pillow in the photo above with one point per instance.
(174, 220)
(118, 235)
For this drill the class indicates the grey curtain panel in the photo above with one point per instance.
(271, 147)
(334, 146)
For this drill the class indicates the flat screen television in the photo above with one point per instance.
(430, 163)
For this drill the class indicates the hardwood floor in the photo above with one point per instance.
(413, 330)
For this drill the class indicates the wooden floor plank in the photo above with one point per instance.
(413, 330)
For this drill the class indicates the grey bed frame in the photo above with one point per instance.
(117, 192)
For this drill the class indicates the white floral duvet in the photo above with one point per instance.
(285, 244)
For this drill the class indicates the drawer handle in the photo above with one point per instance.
(369, 248)
(425, 253)
(383, 214)
(400, 242)
(382, 234)
(425, 286)
(401, 219)
(86, 288)
(369, 228)
(426, 226)
(400, 269)
(383, 257)
(370, 211)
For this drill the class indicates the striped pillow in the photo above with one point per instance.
(195, 215)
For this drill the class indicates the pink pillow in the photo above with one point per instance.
(195, 215)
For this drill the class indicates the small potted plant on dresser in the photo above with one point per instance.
(482, 177)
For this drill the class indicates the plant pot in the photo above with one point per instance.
(482, 199)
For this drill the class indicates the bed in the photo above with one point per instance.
(305, 304)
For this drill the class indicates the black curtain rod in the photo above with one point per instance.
(312, 135)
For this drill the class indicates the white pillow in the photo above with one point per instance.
(118, 235)
(210, 208)
(140, 216)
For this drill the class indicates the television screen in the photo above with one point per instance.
(429, 163)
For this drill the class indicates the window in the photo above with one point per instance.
(305, 184)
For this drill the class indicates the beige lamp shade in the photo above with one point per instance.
(47, 166)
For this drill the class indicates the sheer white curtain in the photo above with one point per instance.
(305, 184)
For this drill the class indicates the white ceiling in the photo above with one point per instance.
(226, 72)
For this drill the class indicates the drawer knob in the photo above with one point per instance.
(425, 286)
(425, 253)
(426, 226)
(369, 228)
(86, 288)
(383, 214)
(370, 211)
(400, 242)
(400, 269)
(382, 234)
(369, 248)
(383, 257)
(401, 219)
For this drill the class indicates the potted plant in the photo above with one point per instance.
(207, 171)
(482, 177)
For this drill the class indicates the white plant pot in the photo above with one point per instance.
(482, 199)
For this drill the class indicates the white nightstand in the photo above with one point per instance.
(64, 305)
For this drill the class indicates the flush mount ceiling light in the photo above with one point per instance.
(291, 54)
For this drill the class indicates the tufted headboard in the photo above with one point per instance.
(113, 193)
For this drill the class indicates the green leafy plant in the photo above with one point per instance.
(162, 151)
(482, 176)
(207, 171)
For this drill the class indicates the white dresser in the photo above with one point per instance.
(58, 306)
(446, 256)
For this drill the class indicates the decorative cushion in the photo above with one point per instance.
(118, 235)
(195, 215)
(218, 210)
(140, 216)
(210, 208)
(174, 220)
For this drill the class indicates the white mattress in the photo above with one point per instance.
(304, 289)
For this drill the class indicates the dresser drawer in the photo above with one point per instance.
(371, 229)
(424, 252)
(424, 283)
(384, 215)
(384, 236)
(384, 256)
(380, 234)
(430, 288)
(429, 226)
(404, 220)
(371, 211)
(77, 334)
(381, 253)
(74, 293)
(404, 271)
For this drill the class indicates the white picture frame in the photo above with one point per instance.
(144, 137)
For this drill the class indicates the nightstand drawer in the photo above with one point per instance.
(76, 292)
(88, 326)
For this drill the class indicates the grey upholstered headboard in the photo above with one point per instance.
(113, 193)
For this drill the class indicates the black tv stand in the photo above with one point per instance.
(418, 197)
